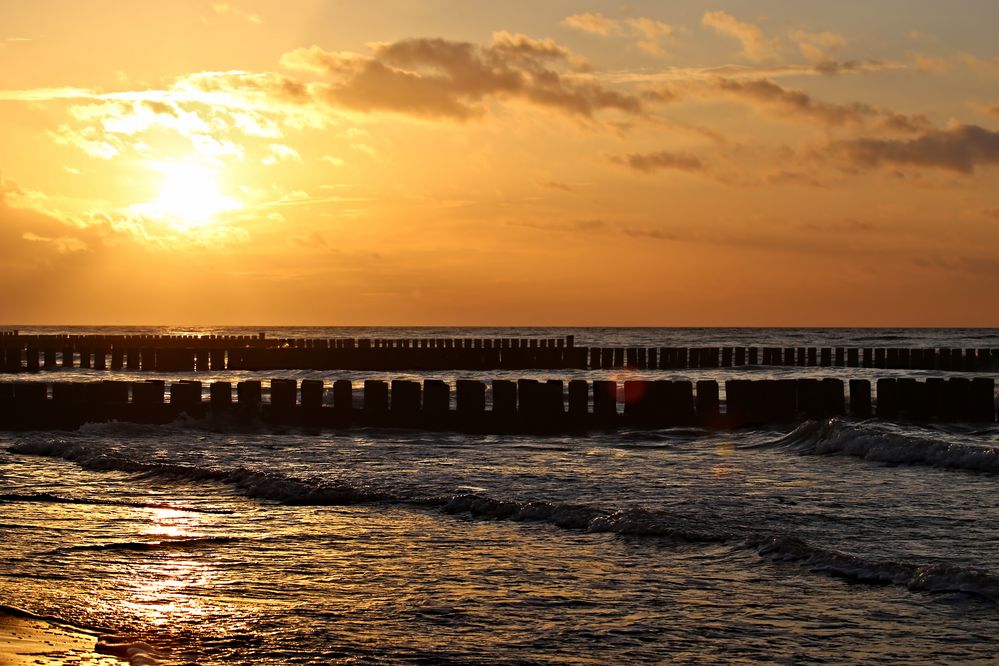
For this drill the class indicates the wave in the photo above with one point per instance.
(934, 578)
(161, 544)
(49, 498)
(884, 443)
(630, 522)
(252, 483)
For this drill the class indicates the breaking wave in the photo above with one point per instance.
(879, 442)
(633, 522)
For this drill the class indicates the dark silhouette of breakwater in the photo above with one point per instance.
(525, 405)
(35, 353)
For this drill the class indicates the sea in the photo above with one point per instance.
(818, 542)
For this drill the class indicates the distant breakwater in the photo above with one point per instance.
(213, 353)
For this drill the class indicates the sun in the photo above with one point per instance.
(189, 196)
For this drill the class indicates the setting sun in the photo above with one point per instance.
(189, 196)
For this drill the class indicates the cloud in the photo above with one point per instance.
(850, 225)
(767, 95)
(595, 24)
(557, 185)
(755, 46)
(688, 74)
(647, 33)
(818, 46)
(223, 9)
(931, 64)
(88, 140)
(281, 153)
(655, 234)
(571, 226)
(792, 102)
(961, 149)
(988, 109)
(657, 161)
(45, 94)
(439, 78)
(652, 32)
(988, 66)
(30, 237)
(332, 159)
(62, 244)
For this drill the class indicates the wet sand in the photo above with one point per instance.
(28, 641)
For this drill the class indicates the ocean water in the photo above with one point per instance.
(819, 542)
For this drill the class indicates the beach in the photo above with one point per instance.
(217, 542)
(28, 641)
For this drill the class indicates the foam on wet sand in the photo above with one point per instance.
(25, 639)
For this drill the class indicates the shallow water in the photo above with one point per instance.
(833, 542)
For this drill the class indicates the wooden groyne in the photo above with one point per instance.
(525, 405)
(211, 353)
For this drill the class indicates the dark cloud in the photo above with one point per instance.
(652, 162)
(785, 177)
(767, 95)
(280, 86)
(787, 101)
(655, 234)
(557, 185)
(849, 225)
(572, 226)
(443, 78)
(834, 67)
(960, 149)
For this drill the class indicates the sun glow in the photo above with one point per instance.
(189, 196)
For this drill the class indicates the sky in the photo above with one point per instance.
(683, 163)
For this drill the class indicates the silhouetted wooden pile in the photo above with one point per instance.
(33, 353)
(526, 405)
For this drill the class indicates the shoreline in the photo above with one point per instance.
(27, 639)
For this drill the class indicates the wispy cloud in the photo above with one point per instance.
(225, 9)
(657, 161)
(755, 46)
(648, 34)
(818, 47)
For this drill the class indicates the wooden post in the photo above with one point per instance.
(405, 398)
(343, 396)
(504, 398)
(579, 399)
(887, 399)
(707, 402)
(860, 398)
(982, 406)
(436, 400)
(248, 395)
(376, 399)
(220, 396)
(470, 400)
(605, 400)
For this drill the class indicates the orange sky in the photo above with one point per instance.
(472, 163)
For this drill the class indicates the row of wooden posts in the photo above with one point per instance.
(511, 356)
(522, 405)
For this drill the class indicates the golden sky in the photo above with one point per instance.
(516, 163)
